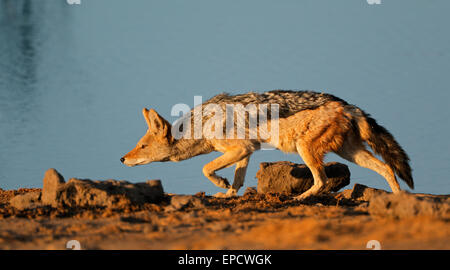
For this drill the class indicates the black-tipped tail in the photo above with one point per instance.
(383, 143)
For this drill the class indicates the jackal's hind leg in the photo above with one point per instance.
(358, 154)
(226, 160)
(315, 164)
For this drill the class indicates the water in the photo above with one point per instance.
(74, 79)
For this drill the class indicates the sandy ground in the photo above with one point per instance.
(248, 222)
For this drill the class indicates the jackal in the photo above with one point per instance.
(309, 123)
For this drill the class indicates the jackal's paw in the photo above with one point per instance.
(302, 197)
(230, 193)
(313, 191)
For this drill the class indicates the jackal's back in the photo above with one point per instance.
(290, 102)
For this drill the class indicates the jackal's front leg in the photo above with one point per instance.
(239, 178)
(239, 156)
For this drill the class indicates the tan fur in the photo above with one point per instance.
(312, 133)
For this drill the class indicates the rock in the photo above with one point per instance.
(87, 193)
(52, 181)
(200, 194)
(405, 204)
(156, 184)
(250, 191)
(180, 202)
(346, 193)
(361, 192)
(287, 177)
(110, 193)
(26, 201)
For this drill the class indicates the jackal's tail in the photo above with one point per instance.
(383, 143)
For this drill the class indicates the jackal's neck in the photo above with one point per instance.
(186, 148)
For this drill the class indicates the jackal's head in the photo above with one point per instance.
(156, 144)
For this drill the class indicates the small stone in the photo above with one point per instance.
(182, 201)
(250, 191)
(365, 193)
(200, 194)
(220, 227)
(347, 194)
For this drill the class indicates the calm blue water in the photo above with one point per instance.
(73, 79)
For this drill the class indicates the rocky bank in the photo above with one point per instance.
(121, 215)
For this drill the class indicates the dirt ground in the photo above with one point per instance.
(252, 221)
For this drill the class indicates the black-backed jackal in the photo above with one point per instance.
(308, 123)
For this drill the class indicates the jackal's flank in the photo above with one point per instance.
(311, 124)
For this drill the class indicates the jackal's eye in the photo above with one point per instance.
(143, 146)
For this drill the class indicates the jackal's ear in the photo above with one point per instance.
(147, 119)
(157, 124)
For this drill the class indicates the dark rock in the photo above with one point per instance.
(156, 184)
(287, 177)
(26, 201)
(406, 204)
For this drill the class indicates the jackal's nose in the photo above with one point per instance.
(122, 160)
